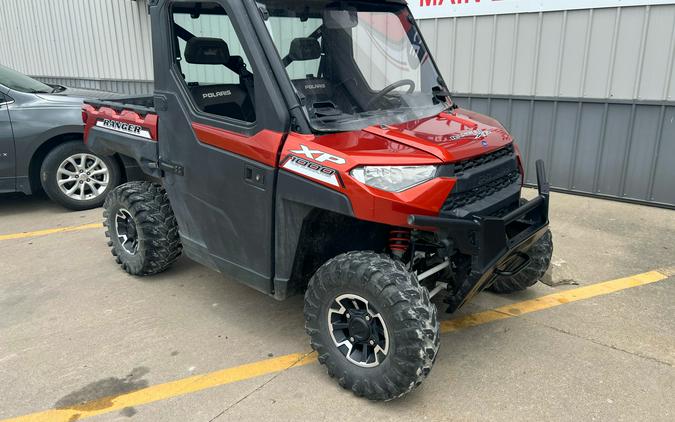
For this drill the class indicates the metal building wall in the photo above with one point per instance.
(590, 91)
(614, 53)
(86, 43)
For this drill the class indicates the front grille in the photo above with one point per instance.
(462, 166)
(463, 199)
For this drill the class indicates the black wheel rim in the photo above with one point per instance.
(125, 229)
(358, 330)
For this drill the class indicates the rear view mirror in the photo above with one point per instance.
(340, 19)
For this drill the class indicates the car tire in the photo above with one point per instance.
(141, 228)
(396, 352)
(540, 258)
(76, 178)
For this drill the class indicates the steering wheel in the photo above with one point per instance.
(387, 89)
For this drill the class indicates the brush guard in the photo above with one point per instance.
(497, 245)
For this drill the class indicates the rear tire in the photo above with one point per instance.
(76, 178)
(395, 354)
(141, 228)
(540, 258)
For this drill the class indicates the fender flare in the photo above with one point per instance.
(296, 198)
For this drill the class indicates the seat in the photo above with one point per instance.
(229, 100)
(316, 90)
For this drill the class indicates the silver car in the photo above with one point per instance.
(41, 144)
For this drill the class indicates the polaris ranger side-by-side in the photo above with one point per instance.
(312, 146)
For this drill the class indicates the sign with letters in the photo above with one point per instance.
(427, 9)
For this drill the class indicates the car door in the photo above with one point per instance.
(7, 155)
(221, 125)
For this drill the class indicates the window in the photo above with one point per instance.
(212, 61)
(354, 63)
(22, 83)
(384, 52)
(283, 31)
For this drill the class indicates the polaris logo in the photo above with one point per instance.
(128, 128)
(216, 94)
(315, 86)
(475, 134)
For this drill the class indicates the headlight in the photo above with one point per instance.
(393, 178)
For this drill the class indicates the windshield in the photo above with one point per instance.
(20, 82)
(355, 63)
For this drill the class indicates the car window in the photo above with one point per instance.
(283, 31)
(213, 63)
(20, 82)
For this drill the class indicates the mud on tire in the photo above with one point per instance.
(145, 207)
(402, 304)
(540, 258)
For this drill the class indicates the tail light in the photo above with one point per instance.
(85, 116)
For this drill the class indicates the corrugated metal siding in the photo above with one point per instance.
(615, 53)
(620, 53)
(589, 91)
(617, 149)
(84, 39)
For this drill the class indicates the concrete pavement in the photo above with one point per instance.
(75, 328)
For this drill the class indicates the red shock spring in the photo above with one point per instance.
(399, 241)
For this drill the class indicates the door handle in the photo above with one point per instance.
(254, 176)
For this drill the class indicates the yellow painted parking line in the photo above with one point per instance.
(269, 366)
(46, 232)
(170, 389)
(553, 300)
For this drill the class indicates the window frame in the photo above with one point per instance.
(5, 99)
(236, 125)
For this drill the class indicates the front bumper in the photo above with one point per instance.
(495, 245)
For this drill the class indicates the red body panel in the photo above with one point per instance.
(436, 140)
(93, 115)
(441, 139)
(261, 147)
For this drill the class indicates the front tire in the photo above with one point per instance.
(76, 178)
(540, 258)
(141, 228)
(372, 325)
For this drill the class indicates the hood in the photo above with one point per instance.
(444, 138)
(459, 135)
(77, 95)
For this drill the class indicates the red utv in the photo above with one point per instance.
(312, 146)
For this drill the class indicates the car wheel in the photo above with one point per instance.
(76, 178)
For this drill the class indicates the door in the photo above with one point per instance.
(222, 120)
(7, 156)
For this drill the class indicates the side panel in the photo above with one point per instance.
(296, 198)
(132, 136)
(224, 200)
(34, 122)
(7, 153)
(348, 150)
